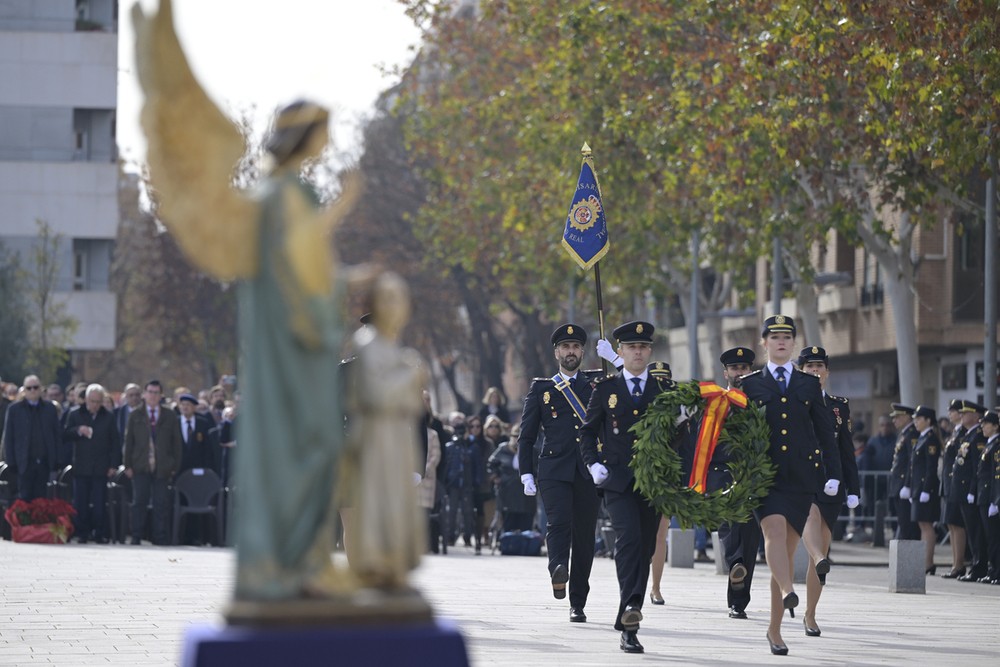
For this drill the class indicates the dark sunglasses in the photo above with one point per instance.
(32, 388)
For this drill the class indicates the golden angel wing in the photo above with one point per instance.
(193, 148)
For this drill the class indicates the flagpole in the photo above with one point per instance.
(600, 310)
(597, 276)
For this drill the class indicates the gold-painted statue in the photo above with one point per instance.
(275, 243)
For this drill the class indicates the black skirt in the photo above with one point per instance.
(793, 506)
(953, 514)
(929, 511)
(828, 510)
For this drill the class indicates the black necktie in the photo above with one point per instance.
(780, 370)
(190, 429)
(637, 391)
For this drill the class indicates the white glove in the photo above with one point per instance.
(993, 510)
(832, 485)
(529, 484)
(904, 493)
(598, 472)
(606, 351)
(924, 496)
(852, 502)
(416, 479)
(971, 498)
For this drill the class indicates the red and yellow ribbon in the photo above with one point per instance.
(716, 410)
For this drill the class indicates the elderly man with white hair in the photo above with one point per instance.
(93, 432)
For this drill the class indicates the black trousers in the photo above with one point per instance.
(991, 536)
(907, 527)
(975, 532)
(31, 482)
(635, 523)
(571, 521)
(144, 486)
(740, 542)
(88, 501)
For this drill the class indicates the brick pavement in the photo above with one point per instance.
(87, 604)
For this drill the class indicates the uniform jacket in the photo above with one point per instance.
(95, 455)
(611, 412)
(17, 431)
(986, 473)
(465, 465)
(996, 476)
(200, 449)
(924, 464)
(899, 475)
(169, 445)
(948, 454)
(963, 479)
(547, 412)
(803, 446)
(840, 414)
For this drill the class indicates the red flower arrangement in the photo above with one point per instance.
(41, 521)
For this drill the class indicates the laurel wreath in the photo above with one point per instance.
(657, 466)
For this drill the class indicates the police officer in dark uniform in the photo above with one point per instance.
(923, 479)
(902, 417)
(952, 510)
(804, 451)
(740, 541)
(555, 407)
(963, 488)
(826, 509)
(617, 402)
(985, 497)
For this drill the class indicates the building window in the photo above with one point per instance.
(955, 376)
(872, 292)
(79, 271)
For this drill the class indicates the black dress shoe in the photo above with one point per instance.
(822, 569)
(737, 576)
(932, 570)
(101, 540)
(954, 574)
(135, 541)
(736, 612)
(559, 578)
(776, 649)
(630, 643)
(656, 600)
(576, 615)
(810, 632)
(631, 618)
(987, 579)
(790, 602)
(972, 576)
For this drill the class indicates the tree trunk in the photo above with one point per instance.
(808, 302)
(714, 327)
(907, 352)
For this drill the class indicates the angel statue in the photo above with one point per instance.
(275, 243)
(384, 402)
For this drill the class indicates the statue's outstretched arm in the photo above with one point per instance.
(193, 148)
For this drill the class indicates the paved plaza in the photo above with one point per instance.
(86, 605)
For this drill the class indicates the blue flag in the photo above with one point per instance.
(586, 235)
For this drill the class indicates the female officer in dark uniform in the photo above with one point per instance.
(826, 509)
(803, 450)
(952, 510)
(924, 498)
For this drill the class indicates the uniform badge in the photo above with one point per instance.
(960, 461)
(779, 319)
(638, 328)
(933, 450)
(612, 401)
(739, 353)
(659, 365)
(199, 437)
(815, 350)
(545, 398)
(569, 330)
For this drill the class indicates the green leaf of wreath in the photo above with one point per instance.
(657, 466)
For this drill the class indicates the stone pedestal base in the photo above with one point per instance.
(906, 566)
(681, 551)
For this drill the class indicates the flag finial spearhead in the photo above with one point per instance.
(586, 149)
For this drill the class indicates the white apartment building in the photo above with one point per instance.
(58, 91)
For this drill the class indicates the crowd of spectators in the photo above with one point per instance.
(143, 434)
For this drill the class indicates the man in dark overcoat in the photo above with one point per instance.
(93, 434)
